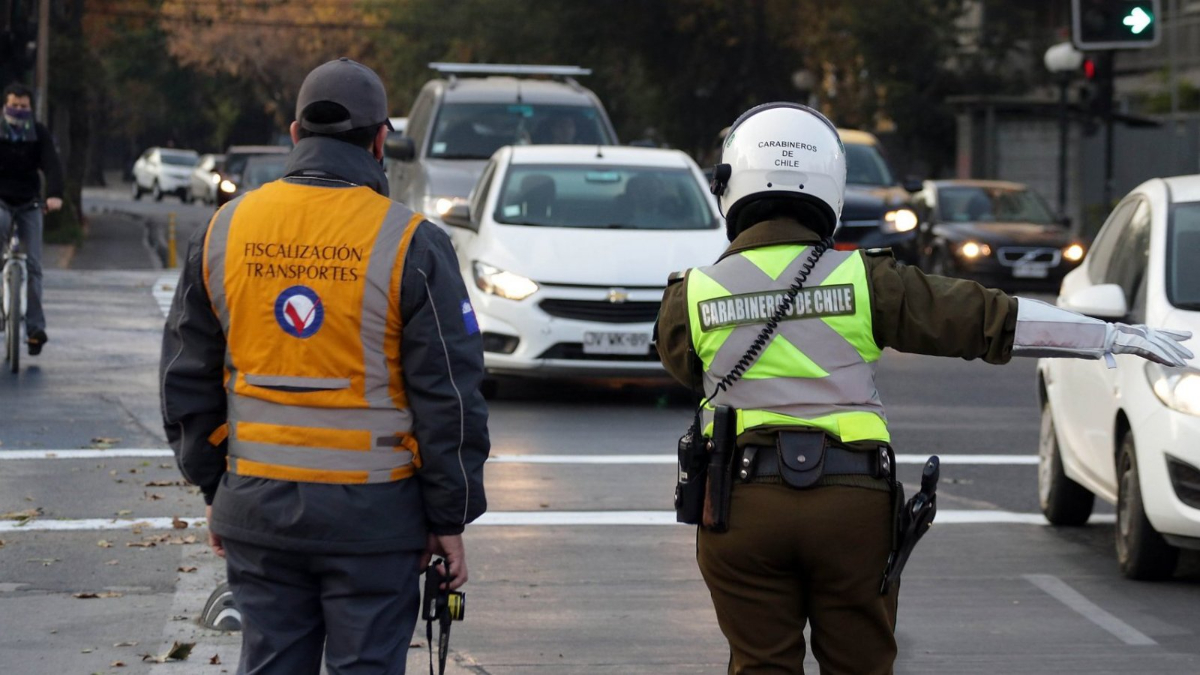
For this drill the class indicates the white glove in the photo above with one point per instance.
(1154, 344)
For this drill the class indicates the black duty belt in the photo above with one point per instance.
(760, 463)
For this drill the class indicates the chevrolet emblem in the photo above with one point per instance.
(616, 295)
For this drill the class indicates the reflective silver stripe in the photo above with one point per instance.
(376, 476)
(376, 301)
(381, 422)
(319, 383)
(218, 237)
(303, 457)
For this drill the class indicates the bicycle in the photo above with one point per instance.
(15, 275)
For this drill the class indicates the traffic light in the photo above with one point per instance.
(1114, 24)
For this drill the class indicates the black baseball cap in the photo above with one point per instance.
(349, 84)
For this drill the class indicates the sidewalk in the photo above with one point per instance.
(115, 241)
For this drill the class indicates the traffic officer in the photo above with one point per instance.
(320, 384)
(791, 556)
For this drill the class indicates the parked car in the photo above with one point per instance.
(461, 118)
(163, 171)
(566, 251)
(1131, 434)
(235, 163)
(205, 180)
(876, 213)
(995, 232)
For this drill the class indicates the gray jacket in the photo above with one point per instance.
(442, 361)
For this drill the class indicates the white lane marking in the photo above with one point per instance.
(532, 518)
(164, 291)
(1011, 460)
(1059, 590)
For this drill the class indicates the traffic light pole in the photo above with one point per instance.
(1063, 131)
(1106, 92)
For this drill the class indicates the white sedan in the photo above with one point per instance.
(566, 251)
(1131, 434)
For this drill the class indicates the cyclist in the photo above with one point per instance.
(26, 148)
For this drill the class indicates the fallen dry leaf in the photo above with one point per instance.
(1, 543)
(187, 569)
(179, 651)
(164, 483)
(152, 496)
(117, 664)
(124, 644)
(215, 660)
(140, 544)
(22, 516)
(113, 562)
(46, 562)
(87, 650)
(178, 523)
(124, 512)
(91, 596)
(105, 439)
(103, 543)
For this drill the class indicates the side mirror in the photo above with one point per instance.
(1106, 301)
(914, 184)
(459, 215)
(400, 148)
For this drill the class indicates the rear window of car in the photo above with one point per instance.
(972, 204)
(476, 130)
(179, 158)
(865, 166)
(1183, 274)
(638, 198)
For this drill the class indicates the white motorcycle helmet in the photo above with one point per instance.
(782, 150)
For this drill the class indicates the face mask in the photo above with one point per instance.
(18, 114)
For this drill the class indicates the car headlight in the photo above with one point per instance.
(900, 220)
(440, 206)
(504, 284)
(973, 250)
(228, 186)
(216, 179)
(1074, 252)
(1177, 388)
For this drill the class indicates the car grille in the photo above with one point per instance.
(1026, 255)
(601, 310)
(573, 351)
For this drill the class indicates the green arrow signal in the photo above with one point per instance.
(1137, 20)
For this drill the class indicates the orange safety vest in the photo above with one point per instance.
(306, 283)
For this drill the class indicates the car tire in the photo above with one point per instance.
(136, 191)
(1063, 501)
(156, 191)
(941, 264)
(1142, 553)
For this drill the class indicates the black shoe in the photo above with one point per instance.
(36, 341)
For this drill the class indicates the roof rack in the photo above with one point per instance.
(507, 69)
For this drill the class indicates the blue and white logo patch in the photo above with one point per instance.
(299, 311)
(470, 321)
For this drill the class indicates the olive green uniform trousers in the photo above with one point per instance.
(796, 556)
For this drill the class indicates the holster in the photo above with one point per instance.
(720, 470)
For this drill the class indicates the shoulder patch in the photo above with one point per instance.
(879, 252)
(676, 277)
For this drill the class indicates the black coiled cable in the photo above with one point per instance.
(760, 342)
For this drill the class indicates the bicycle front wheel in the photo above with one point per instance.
(12, 317)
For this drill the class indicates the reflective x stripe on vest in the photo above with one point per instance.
(306, 283)
(818, 369)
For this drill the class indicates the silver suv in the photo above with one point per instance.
(472, 110)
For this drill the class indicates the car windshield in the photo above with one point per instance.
(1183, 275)
(977, 204)
(639, 198)
(179, 158)
(476, 130)
(865, 166)
(263, 170)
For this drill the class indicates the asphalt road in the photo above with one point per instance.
(576, 568)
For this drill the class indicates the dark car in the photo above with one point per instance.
(260, 170)
(876, 213)
(234, 165)
(995, 232)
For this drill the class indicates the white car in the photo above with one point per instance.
(205, 179)
(162, 171)
(566, 251)
(1131, 434)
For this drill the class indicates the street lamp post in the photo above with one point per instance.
(1063, 59)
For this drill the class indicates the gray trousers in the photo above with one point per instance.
(360, 610)
(29, 229)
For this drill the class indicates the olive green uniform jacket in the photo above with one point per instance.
(910, 311)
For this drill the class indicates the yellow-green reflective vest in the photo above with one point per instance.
(818, 370)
